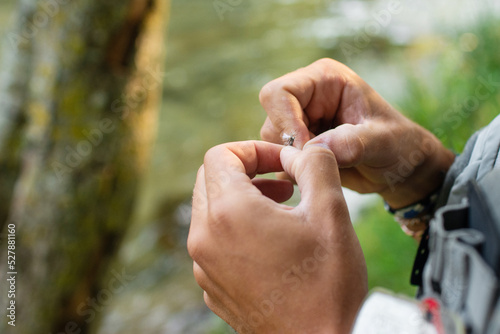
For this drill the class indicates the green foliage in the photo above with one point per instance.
(442, 95)
(454, 90)
(389, 253)
(220, 327)
(214, 79)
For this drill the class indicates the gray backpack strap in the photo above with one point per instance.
(494, 326)
(462, 270)
(455, 273)
(490, 185)
(479, 158)
(455, 170)
(459, 272)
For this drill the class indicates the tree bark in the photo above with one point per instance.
(14, 80)
(83, 89)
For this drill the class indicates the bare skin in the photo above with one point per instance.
(377, 148)
(266, 267)
(269, 268)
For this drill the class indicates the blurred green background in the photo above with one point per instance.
(426, 58)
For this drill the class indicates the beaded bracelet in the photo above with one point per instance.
(414, 218)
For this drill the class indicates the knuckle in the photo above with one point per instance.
(209, 301)
(220, 215)
(270, 89)
(266, 92)
(200, 276)
(226, 215)
(199, 201)
(193, 246)
(334, 73)
(198, 272)
(326, 62)
(216, 185)
(331, 65)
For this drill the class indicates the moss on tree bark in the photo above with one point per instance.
(82, 89)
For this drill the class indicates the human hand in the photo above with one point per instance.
(377, 148)
(266, 267)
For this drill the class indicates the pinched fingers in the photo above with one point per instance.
(285, 114)
(316, 172)
(303, 102)
(224, 186)
(230, 168)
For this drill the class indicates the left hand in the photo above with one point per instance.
(267, 267)
(377, 148)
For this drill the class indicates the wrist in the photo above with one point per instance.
(420, 174)
(414, 219)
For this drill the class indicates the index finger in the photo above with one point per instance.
(303, 101)
(285, 112)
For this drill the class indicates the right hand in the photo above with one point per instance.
(377, 148)
(267, 267)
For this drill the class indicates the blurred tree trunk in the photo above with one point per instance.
(79, 96)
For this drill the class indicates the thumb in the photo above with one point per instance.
(316, 172)
(347, 142)
(374, 142)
